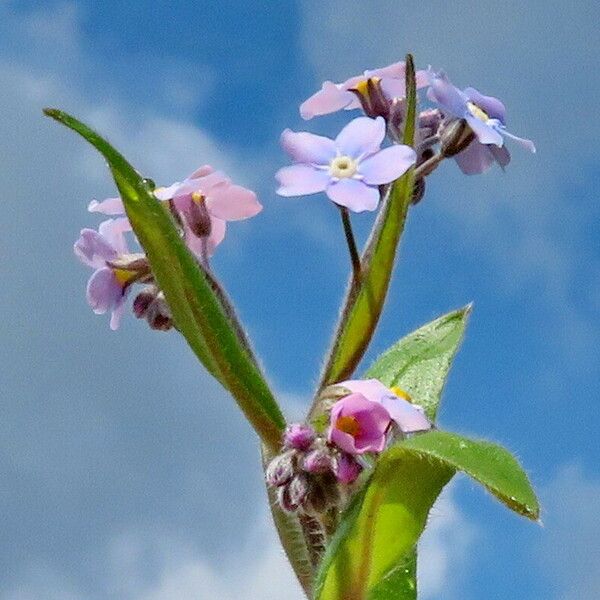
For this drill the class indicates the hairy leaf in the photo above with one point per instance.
(371, 556)
(419, 363)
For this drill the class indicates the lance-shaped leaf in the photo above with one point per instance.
(371, 555)
(197, 310)
(364, 302)
(419, 363)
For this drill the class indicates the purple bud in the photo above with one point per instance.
(143, 300)
(318, 461)
(298, 489)
(429, 122)
(299, 436)
(347, 469)
(280, 470)
(292, 495)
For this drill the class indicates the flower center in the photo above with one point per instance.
(123, 276)
(477, 112)
(349, 425)
(401, 393)
(197, 197)
(342, 167)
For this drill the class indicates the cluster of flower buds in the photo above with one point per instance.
(313, 471)
(462, 124)
(201, 205)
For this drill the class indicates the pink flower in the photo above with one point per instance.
(348, 169)
(409, 417)
(204, 201)
(337, 96)
(358, 425)
(115, 269)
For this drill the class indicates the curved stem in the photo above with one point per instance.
(352, 248)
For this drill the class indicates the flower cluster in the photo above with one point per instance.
(464, 124)
(314, 469)
(201, 205)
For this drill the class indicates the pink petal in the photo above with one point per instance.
(408, 417)
(387, 164)
(396, 70)
(353, 194)
(112, 230)
(110, 206)
(474, 159)
(299, 180)
(202, 171)
(232, 202)
(306, 147)
(361, 136)
(103, 290)
(328, 99)
(117, 313)
(371, 389)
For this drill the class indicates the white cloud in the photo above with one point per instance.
(444, 549)
(143, 565)
(569, 550)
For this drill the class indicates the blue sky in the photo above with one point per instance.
(125, 472)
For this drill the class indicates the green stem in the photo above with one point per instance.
(352, 248)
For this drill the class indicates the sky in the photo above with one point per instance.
(125, 471)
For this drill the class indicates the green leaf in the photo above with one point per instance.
(198, 312)
(364, 303)
(489, 464)
(371, 556)
(419, 363)
(376, 537)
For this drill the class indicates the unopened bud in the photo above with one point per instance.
(372, 98)
(323, 495)
(299, 436)
(159, 315)
(292, 495)
(455, 137)
(150, 304)
(143, 300)
(280, 470)
(347, 469)
(318, 461)
(429, 122)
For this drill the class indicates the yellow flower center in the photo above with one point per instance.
(401, 393)
(362, 87)
(477, 112)
(123, 276)
(348, 425)
(342, 167)
(197, 197)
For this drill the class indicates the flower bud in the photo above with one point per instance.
(323, 495)
(159, 315)
(318, 461)
(429, 122)
(347, 468)
(281, 469)
(455, 136)
(299, 436)
(292, 495)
